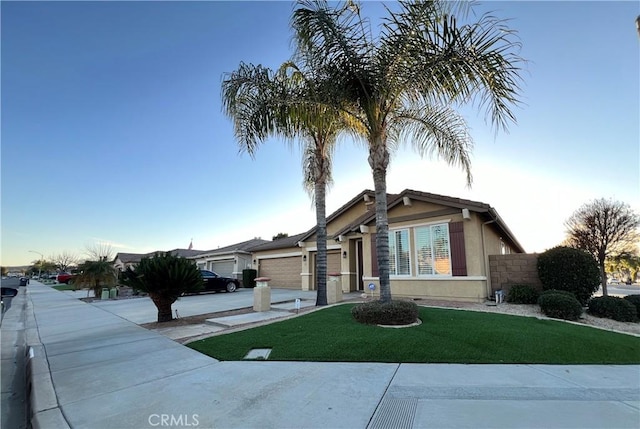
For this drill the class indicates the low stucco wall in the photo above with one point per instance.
(517, 268)
(463, 290)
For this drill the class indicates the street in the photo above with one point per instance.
(13, 380)
(620, 290)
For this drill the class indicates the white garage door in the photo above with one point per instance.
(223, 268)
(283, 272)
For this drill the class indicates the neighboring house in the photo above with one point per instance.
(228, 261)
(124, 260)
(283, 262)
(439, 248)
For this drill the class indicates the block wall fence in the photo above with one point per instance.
(516, 268)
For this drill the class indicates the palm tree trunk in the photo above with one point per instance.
(379, 160)
(97, 290)
(321, 240)
(163, 304)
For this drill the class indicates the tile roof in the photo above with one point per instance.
(243, 247)
(135, 257)
(128, 257)
(281, 243)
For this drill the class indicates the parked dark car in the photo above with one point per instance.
(215, 282)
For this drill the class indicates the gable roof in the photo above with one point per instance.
(393, 200)
(183, 253)
(242, 247)
(281, 243)
(129, 258)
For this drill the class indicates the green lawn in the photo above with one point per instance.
(445, 336)
(63, 287)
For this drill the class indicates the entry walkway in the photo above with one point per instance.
(94, 369)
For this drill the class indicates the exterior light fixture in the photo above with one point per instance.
(304, 258)
(344, 255)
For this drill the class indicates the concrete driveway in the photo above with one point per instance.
(142, 310)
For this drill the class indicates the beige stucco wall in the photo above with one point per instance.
(452, 289)
(473, 287)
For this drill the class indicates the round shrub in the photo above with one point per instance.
(556, 291)
(635, 300)
(612, 307)
(522, 294)
(386, 313)
(560, 306)
(573, 270)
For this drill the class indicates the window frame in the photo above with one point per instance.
(433, 259)
(395, 254)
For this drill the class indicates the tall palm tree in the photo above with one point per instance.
(264, 103)
(403, 84)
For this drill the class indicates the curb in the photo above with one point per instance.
(43, 409)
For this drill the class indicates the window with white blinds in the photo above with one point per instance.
(433, 250)
(399, 260)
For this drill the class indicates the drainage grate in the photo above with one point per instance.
(394, 414)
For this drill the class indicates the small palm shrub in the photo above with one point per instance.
(612, 307)
(560, 306)
(635, 300)
(165, 277)
(569, 269)
(386, 313)
(522, 294)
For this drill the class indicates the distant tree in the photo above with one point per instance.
(280, 235)
(4, 270)
(99, 251)
(64, 260)
(96, 275)
(165, 277)
(604, 228)
(625, 265)
(42, 266)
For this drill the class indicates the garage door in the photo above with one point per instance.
(333, 265)
(333, 262)
(283, 272)
(223, 268)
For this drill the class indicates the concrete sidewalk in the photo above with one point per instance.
(94, 369)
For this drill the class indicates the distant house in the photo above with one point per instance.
(283, 262)
(228, 261)
(439, 248)
(124, 260)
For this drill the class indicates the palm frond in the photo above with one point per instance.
(434, 56)
(257, 101)
(434, 131)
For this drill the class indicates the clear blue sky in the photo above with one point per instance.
(112, 129)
